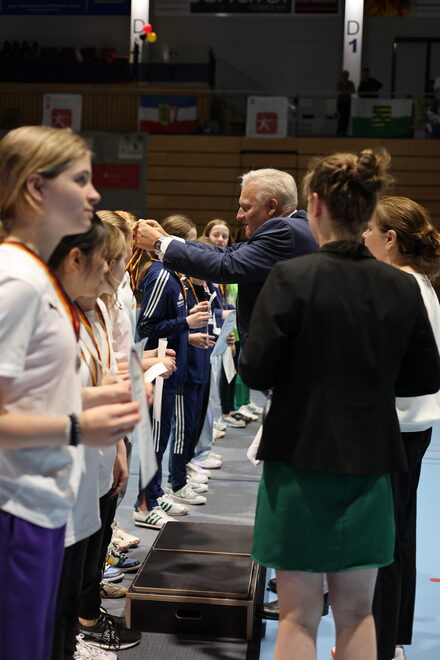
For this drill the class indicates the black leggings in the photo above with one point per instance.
(95, 557)
(393, 606)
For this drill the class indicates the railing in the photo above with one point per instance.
(223, 112)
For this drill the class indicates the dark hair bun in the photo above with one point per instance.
(369, 169)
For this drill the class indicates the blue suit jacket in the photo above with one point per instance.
(248, 264)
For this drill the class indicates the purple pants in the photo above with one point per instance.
(30, 566)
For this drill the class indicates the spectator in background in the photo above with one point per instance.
(368, 87)
(345, 89)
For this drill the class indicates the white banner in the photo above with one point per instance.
(266, 116)
(62, 111)
(140, 12)
(353, 26)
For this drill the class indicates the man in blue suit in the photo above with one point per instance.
(274, 228)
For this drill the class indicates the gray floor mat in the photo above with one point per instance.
(231, 500)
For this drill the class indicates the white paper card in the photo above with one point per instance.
(228, 364)
(147, 457)
(154, 371)
(226, 330)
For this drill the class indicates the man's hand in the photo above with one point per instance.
(146, 233)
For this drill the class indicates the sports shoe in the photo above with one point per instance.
(230, 420)
(333, 652)
(123, 539)
(219, 457)
(208, 463)
(216, 434)
(253, 408)
(84, 651)
(109, 590)
(400, 653)
(107, 634)
(112, 574)
(199, 488)
(155, 519)
(188, 496)
(247, 414)
(220, 426)
(119, 560)
(172, 508)
(195, 472)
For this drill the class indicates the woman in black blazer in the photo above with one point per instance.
(337, 335)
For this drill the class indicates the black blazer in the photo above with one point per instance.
(248, 264)
(338, 335)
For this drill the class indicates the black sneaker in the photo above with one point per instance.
(109, 634)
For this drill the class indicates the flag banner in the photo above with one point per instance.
(381, 117)
(120, 169)
(62, 111)
(266, 116)
(168, 114)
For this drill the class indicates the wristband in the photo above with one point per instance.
(75, 430)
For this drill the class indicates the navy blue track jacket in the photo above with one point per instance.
(163, 315)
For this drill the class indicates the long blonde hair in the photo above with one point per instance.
(119, 231)
(32, 150)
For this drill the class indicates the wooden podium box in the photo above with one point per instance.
(197, 579)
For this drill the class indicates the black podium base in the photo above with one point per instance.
(197, 579)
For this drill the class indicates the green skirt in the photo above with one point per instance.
(323, 522)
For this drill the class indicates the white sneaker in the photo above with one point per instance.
(219, 425)
(247, 414)
(155, 519)
(253, 408)
(171, 507)
(235, 423)
(122, 539)
(188, 496)
(212, 454)
(193, 467)
(216, 434)
(208, 463)
(84, 651)
(400, 653)
(199, 488)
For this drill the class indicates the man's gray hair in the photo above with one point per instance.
(273, 183)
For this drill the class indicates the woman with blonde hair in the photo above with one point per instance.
(401, 234)
(336, 334)
(46, 192)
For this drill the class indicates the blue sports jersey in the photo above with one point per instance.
(163, 315)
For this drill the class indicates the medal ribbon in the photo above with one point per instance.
(62, 295)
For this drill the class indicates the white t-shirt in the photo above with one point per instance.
(38, 368)
(418, 413)
(104, 338)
